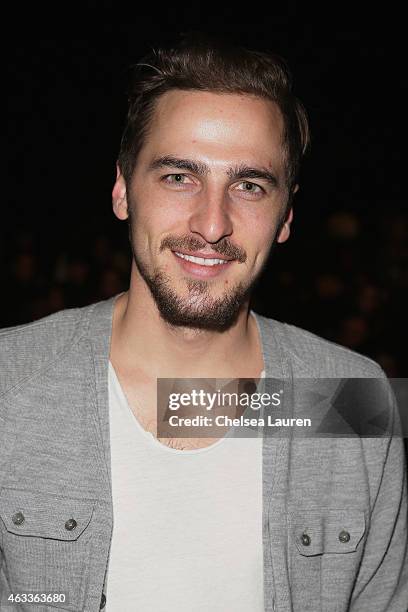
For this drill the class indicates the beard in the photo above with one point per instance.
(198, 309)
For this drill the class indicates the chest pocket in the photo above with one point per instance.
(325, 549)
(46, 543)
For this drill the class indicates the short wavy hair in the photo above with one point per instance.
(207, 64)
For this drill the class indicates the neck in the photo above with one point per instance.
(155, 349)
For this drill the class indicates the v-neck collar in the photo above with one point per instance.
(100, 335)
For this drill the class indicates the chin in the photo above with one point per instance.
(210, 319)
(198, 309)
(192, 304)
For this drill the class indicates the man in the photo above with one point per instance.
(100, 512)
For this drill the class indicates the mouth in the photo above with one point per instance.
(202, 265)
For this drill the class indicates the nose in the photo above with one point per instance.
(211, 218)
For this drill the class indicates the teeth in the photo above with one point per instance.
(201, 260)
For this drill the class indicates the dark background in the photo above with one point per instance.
(342, 274)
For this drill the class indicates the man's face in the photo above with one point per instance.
(205, 202)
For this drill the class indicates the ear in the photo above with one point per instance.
(119, 196)
(285, 229)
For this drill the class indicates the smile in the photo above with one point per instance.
(202, 267)
(201, 260)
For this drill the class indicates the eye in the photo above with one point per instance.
(176, 179)
(250, 188)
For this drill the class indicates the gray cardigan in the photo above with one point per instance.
(55, 478)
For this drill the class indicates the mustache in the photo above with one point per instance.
(191, 243)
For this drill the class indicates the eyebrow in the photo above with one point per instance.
(241, 171)
(168, 161)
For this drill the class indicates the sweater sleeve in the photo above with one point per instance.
(382, 582)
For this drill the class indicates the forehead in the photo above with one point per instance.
(242, 127)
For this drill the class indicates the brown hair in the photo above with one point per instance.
(202, 63)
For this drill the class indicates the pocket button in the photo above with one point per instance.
(344, 536)
(305, 539)
(70, 524)
(18, 518)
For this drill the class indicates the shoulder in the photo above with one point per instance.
(311, 355)
(25, 349)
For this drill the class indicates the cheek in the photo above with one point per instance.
(260, 239)
(156, 211)
(151, 224)
(264, 232)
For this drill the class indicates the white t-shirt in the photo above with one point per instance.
(187, 531)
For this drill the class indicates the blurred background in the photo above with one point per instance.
(343, 272)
